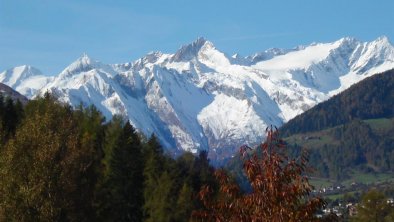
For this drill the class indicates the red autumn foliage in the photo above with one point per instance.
(280, 190)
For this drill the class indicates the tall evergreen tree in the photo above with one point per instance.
(11, 113)
(127, 175)
(154, 163)
(153, 180)
(120, 194)
(103, 195)
(113, 131)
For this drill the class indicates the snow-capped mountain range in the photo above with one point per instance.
(200, 98)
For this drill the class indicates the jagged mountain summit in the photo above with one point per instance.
(200, 98)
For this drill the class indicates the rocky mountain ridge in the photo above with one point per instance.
(199, 98)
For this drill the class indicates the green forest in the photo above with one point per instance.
(361, 145)
(61, 164)
(352, 131)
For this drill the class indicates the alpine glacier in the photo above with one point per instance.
(199, 98)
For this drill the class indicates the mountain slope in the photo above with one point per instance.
(87, 82)
(369, 99)
(351, 131)
(200, 98)
(7, 91)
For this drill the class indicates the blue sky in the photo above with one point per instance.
(50, 34)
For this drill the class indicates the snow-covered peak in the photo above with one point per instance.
(14, 76)
(382, 45)
(86, 64)
(151, 57)
(85, 59)
(348, 42)
(24, 79)
(82, 64)
(373, 57)
(190, 51)
(27, 71)
(384, 40)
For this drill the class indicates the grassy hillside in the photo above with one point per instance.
(366, 146)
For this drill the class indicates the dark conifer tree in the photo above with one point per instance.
(127, 164)
(122, 188)
(12, 115)
(152, 172)
(103, 195)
